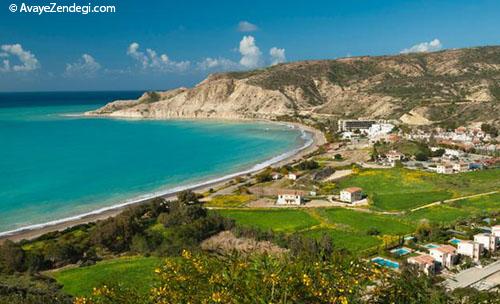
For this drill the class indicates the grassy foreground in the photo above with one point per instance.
(131, 272)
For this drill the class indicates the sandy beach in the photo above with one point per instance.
(317, 137)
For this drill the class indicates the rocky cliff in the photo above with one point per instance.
(453, 85)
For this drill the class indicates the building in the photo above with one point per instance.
(292, 176)
(445, 255)
(425, 263)
(495, 230)
(276, 176)
(394, 156)
(453, 153)
(471, 249)
(352, 125)
(292, 198)
(351, 195)
(460, 167)
(489, 241)
(379, 129)
(444, 168)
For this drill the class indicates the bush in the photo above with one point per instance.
(264, 176)
(255, 279)
(308, 165)
(373, 231)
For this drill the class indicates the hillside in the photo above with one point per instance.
(460, 85)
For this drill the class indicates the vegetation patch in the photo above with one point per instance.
(229, 200)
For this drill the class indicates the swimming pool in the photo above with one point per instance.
(431, 246)
(400, 251)
(455, 241)
(385, 263)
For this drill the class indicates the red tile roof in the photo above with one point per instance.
(422, 259)
(447, 249)
(353, 189)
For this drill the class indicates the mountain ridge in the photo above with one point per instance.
(461, 85)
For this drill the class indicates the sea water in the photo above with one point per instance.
(57, 164)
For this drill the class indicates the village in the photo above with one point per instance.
(322, 180)
(441, 151)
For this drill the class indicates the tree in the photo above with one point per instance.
(139, 244)
(11, 257)
(308, 165)
(187, 197)
(264, 176)
(410, 286)
(438, 153)
(420, 156)
(490, 129)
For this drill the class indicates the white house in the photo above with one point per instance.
(470, 249)
(444, 168)
(489, 241)
(276, 176)
(425, 262)
(453, 153)
(292, 176)
(289, 198)
(495, 230)
(445, 255)
(460, 167)
(394, 156)
(379, 129)
(351, 194)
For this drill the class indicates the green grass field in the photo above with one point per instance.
(351, 241)
(131, 272)
(482, 203)
(284, 220)
(400, 189)
(461, 209)
(348, 228)
(362, 222)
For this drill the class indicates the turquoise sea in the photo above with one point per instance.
(55, 165)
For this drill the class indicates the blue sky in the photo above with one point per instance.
(165, 44)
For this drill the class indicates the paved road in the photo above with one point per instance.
(471, 276)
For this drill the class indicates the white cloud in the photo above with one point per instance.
(219, 63)
(151, 60)
(250, 53)
(431, 46)
(245, 26)
(277, 55)
(87, 66)
(28, 61)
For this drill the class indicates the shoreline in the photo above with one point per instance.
(30, 232)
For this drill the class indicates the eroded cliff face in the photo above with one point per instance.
(221, 98)
(416, 88)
